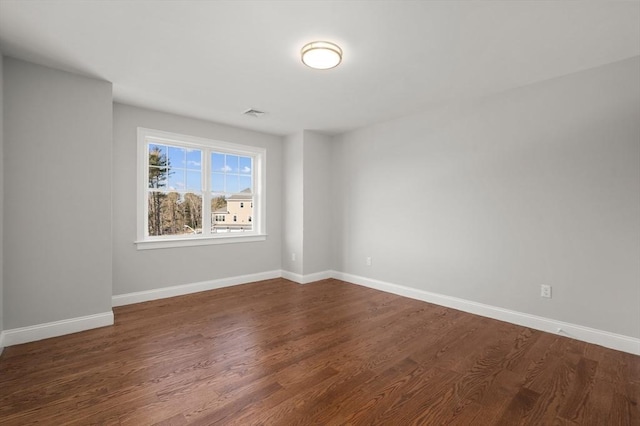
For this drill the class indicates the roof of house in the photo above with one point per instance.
(245, 194)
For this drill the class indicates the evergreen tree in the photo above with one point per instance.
(159, 170)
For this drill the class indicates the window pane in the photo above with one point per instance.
(176, 180)
(217, 162)
(194, 159)
(245, 165)
(231, 163)
(157, 177)
(194, 181)
(232, 184)
(177, 157)
(171, 213)
(228, 217)
(245, 183)
(158, 172)
(217, 182)
(157, 151)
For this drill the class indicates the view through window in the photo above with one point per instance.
(200, 189)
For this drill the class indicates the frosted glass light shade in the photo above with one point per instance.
(321, 55)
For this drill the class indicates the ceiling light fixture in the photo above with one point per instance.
(321, 55)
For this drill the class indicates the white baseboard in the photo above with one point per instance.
(1, 341)
(179, 290)
(317, 276)
(585, 334)
(32, 333)
(306, 279)
(292, 276)
(58, 328)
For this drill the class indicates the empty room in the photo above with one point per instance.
(319, 212)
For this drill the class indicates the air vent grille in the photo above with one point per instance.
(254, 112)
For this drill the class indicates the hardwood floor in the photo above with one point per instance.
(275, 352)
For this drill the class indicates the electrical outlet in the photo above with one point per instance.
(293, 257)
(368, 261)
(545, 291)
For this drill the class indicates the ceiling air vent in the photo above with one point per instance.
(254, 112)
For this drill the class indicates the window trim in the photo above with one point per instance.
(259, 154)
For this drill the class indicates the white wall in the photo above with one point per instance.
(57, 195)
(293, 211)
(486, 202)
(318, 203)
(140, 270)
(307, 205)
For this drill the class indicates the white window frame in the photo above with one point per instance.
(259, 155)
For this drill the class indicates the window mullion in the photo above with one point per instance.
(206, 192)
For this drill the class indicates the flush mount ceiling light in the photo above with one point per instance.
(321, 55)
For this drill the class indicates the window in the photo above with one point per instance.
(188, 186)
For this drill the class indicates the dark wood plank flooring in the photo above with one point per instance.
(331, 353)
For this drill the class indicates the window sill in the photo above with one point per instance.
(200, 241)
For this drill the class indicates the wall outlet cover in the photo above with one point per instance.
(545, 291)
